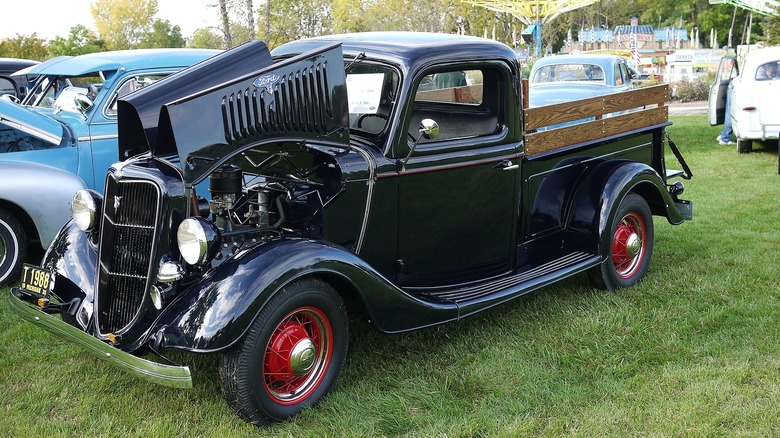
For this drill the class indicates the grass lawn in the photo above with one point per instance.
(693, 350)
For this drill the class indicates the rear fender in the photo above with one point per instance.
(596, 201)
(216, 312)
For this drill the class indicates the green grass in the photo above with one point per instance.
(691, 351)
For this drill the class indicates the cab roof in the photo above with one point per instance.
(403, 48)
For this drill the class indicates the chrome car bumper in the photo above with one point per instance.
(167, 375)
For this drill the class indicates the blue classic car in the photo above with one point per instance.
(556, 79)
(63, 138)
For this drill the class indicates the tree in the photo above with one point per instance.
(23, 46)
(80, 41)
(250, 19)
(204, 38)
(771, 25)
(225, 23)
(163, 34)
(293, 19)
(122, 23)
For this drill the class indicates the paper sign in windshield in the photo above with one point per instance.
(364, 91)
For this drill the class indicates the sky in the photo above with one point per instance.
(52, 18)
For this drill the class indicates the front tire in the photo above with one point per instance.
(13, 247)
(291, 357)
(630, 246)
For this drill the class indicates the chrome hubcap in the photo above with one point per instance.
(302, 357)
(633, 245)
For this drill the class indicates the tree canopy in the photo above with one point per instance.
(127, 24)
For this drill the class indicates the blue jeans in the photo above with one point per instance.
(725, 134)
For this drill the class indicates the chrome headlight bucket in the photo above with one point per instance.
(84, 209)
(198, 240)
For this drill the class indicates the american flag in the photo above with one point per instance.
(635, 54)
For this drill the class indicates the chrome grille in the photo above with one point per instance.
(126, 244)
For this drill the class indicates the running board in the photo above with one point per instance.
(544, 274)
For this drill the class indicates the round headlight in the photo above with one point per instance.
(84, 208)
(198, 240)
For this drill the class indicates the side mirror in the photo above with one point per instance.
(83, 103)
(429, 129)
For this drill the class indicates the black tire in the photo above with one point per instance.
(744, 146)
(13, 247)
(630, 246)
(291, 357)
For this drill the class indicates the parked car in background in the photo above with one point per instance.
(11, 85)
(556, 79)
(755, 98)
(68, 121)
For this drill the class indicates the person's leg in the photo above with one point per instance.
(725, 134)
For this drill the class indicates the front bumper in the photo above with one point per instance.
(167, 375)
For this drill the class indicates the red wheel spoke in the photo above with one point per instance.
(298, 355)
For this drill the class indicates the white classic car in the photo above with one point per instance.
(754, 104)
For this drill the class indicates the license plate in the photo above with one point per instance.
(36, 281)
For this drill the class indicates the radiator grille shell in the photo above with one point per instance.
(126, 250)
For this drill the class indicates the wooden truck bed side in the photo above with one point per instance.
(638, 109)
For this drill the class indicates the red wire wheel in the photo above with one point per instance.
(291, 355)
(297, 355)
(628, 245)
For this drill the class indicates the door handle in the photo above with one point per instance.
(506, 165)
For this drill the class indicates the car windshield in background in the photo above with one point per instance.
(59, 91)
(569, 72)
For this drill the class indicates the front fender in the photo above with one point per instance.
(44, 193)
(596, 201)
(73, 258)
(216, 312)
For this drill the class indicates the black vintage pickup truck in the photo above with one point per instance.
(395, 175)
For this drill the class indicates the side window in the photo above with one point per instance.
(465, 103)
(767, 72)
(728, 69)
(7, 86)
(128, 86)
(618, 75)
(13, 139)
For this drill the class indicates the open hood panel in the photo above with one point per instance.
(139, 112)
(300, 99)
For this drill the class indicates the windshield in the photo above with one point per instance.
(569, 72)
(371, 90)
(60, 91)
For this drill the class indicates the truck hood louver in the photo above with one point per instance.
(212, 110)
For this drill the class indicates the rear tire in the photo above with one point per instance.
(13, 247)
(630, 246)
(744, 146)
(291, 357)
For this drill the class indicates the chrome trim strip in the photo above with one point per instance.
(99, 137)
(30, 130)
(369, 197)
(167, 375)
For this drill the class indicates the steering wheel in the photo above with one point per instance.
(360, 119)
